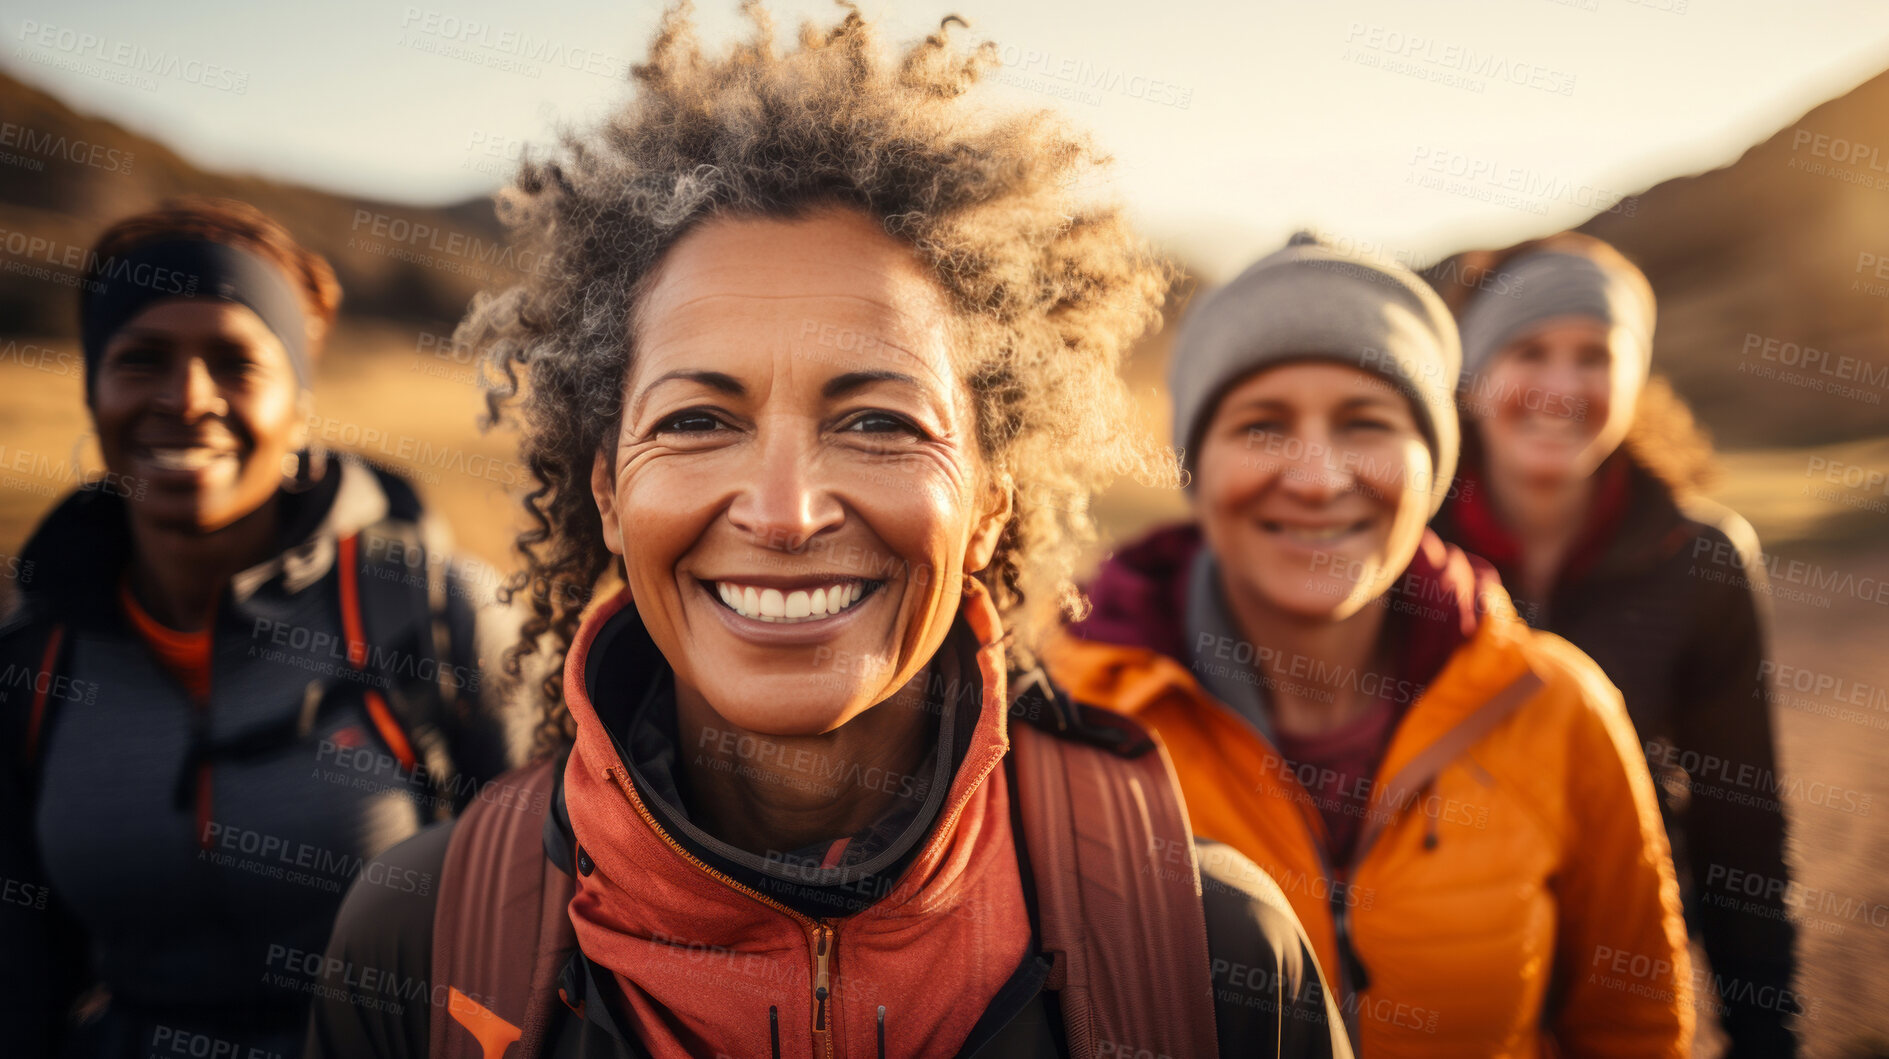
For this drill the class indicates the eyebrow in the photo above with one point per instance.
(841, 385)
(714, 380)
(1369, 401)
(1348, 404)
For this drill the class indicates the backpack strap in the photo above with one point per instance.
(33, 653)
(501, 932)
(393, 614)
(1117, 882)
(38, 714)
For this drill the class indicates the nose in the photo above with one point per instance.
(785, 501)
(1313, 471)
(190, 392)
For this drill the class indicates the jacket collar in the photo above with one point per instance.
(942, 939)
(1464, 656)
(975, 753)
(1163, 593)
(1630, 527)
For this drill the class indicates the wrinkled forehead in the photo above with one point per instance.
(831, 288)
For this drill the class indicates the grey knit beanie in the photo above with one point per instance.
(1310, 301)
(1548, 284)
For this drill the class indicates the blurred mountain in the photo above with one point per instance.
(64, 176)
(1772, 272)
(1773, 278)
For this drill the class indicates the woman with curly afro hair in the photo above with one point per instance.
(818, 375)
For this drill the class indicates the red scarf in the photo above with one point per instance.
(702, 961)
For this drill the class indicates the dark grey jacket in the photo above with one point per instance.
(167, 858)
(1673, 608)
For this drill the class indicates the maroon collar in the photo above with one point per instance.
(1475, 526)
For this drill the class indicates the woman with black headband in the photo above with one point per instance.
(1580, 482)
(241, 670)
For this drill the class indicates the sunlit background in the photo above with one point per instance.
(1737, 149)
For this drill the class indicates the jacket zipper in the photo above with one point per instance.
(821, 939)
(1341, 918)
(823, 1000)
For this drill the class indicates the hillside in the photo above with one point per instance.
(64, 176)
(1773, 278)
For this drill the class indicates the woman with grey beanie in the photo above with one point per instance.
(1451, 800)
(1580, 483)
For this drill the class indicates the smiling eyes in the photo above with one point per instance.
(699, 422)
(1358, 424)
(1588, 357)
(226, 360)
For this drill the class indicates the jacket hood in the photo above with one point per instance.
(933, 950)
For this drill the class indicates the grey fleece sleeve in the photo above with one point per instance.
(494, 730)
(375, 992)
(1270, 997)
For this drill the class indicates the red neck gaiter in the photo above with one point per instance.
(710, 967)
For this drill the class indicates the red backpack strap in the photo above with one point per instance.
(1118, 892)
(44, 679)
(501, 931)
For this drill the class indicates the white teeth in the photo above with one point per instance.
(1317, 535)
(801, 604)
(192, 459)
(798, 605)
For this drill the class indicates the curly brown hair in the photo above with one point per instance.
(238, 224)
(1664, 437)
(1050, 285)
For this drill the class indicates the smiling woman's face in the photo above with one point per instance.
(796, 490)
(198, 400)
(1558, 400)
(1310, 489)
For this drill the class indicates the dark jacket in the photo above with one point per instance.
(374, 986)
(171, 852)
(1669, 596)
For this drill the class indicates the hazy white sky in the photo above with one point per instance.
(1418, 127)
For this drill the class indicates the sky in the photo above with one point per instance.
(1412, 127)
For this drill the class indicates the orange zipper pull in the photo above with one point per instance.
(822, 950)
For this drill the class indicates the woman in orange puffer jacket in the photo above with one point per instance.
(1454, 803)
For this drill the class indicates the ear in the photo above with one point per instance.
(999, 494)
(604, 491)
